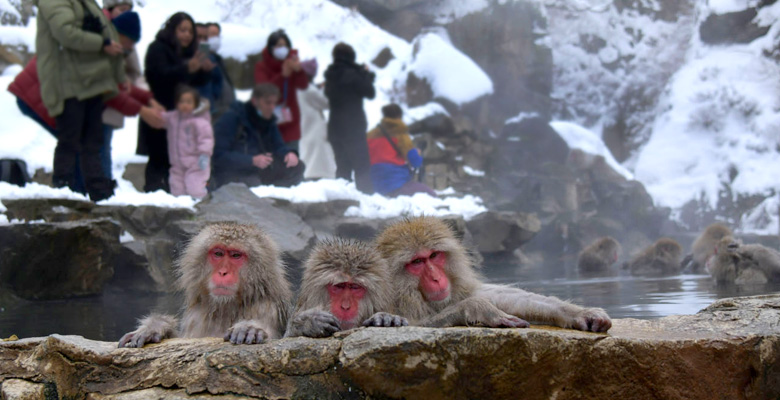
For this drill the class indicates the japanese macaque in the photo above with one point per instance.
(662, 258)
(435, 284)
(704, 247)
(743, 264)
(599, 255)
(234, 286)
(345, 285)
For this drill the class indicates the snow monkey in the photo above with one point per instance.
(743, 264)
(234, 286)
(661, 258)
(345, 284)
(599, 255)
(435, 284)
(704, 247)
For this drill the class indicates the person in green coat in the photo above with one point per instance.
(80, 65)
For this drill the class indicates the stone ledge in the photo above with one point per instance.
(730, 350)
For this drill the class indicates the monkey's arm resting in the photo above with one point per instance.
(250, 331)
(151, 329)
(473, 311)
(544, 309)
(314, 323)
(386, 320)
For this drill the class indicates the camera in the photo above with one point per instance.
(91, 23)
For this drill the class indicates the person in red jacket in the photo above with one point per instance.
(281, 66)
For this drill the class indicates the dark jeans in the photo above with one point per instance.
(157, 168)
(105, 151)
(80, 132)
(276, 174)
(352, 155)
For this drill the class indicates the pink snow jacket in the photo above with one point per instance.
(189, 136)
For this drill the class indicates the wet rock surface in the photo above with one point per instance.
(730, 350)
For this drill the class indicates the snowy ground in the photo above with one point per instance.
(314, 27)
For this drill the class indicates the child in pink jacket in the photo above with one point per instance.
(190, 143)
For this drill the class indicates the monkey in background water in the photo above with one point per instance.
(345, 284)
(234, 286)
(599, 255)
(435, 284)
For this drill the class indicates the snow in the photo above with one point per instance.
(577, 137)
(314, 27)
(374, 206)
(126, 237)
(451, 74)
(473, 172)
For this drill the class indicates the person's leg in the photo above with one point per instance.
(277, 174)
(70, 125)
(99, 186)
(105, 151)
(341, 154)
(361, 164)
(176, 180)
(195, 181)
(157, 168)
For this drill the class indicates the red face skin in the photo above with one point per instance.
(345, 302)
(428, 265)
(225, 263)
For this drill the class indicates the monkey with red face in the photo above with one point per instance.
(345, 285)
(435, 284)
(234, 286)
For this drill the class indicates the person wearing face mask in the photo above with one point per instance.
(171, 59)
(249, 147)
(281, 66)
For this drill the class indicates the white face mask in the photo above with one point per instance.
(280, 53)
(214, 43)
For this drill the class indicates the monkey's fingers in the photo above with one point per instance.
(599, 324)
(125, 340)
(513, 322)
(329, 320)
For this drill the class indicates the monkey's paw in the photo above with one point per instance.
(246, 332)
(387, 320)
(592, 320)
(140, 337)
(315, 324)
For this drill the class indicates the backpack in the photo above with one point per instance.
(13, 170)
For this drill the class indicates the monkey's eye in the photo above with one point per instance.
(355, 286)
(341, 286)
(218, 253)
(434, 255)
(418, 261)
(235, 254)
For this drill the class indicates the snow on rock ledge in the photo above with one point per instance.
(731, 348)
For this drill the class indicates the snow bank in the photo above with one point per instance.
(578, 137)
(451, 74)
(373, 206)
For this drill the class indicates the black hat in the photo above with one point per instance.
(128, 24)
(344, 52)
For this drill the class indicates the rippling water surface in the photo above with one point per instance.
(108, 316)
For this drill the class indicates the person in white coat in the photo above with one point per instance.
(314, 146)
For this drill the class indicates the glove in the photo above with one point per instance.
(203, 162)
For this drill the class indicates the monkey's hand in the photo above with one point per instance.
(592, 320)
(246, 332)
(143, 335)
(313, 323)
(387, 320)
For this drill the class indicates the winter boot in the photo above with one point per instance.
(100, 189)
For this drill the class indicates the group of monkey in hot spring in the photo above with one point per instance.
(416, 272)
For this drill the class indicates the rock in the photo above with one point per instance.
(730, 28)
(497, 232)
(147, 221)
(418, 91)
(58, 260)
(235, 202)
(132, 270)
(17, 389)
(358, 228)
(437, 124)
(731, 348)
(242, 72)
(135, 173)
(49, 210)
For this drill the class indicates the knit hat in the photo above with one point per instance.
(113, 3)
(129, 24)
(344, 52)
(309, 67)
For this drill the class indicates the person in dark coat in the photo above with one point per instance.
(249, 147)
(172, 59)
(346, 85)
(281, 66)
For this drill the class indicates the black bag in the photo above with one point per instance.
(14, 171)
(91, 23)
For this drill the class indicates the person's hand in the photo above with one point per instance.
(156, 105)
(195, 63)
(113, 49)
(207, 65)
(262, 161)
(203, 162)
(295, 63)
(153, 117)
(287, 68)
(291, 159)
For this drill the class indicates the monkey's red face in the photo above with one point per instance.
(225, 262)
(345, 302)
(428, 265)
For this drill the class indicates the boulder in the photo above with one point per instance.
(736, 27)
(235, 202)
(49, 210)
(730, 350)
(500, 232)
(58, 260)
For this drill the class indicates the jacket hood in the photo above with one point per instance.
(203, 111)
